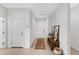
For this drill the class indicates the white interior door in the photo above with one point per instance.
(41, 28)
(17, 32)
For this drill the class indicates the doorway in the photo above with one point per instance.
(41, 28)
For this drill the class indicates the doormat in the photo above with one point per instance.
(16, 47)
(40, 44)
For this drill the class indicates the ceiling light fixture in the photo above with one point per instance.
(41, 14)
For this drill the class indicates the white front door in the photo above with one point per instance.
(17, 32)
(41, 28)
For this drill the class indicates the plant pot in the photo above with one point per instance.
(58, 51)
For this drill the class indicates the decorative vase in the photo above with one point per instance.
(58, 51)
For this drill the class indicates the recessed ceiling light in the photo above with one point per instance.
(41, 14)
(41, 10)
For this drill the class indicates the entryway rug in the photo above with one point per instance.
(40, 44)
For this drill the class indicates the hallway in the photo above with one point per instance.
(21, 24)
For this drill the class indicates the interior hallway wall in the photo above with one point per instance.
(51, 22)
(2, 11)
(32, 28)
(62, 19)
(75, 27)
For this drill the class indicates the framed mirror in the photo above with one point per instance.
(56, 33)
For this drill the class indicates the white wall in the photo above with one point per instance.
(25, 14)
(62, 19)
(75, 27)
(51, 21)
(32, 28)
(2, 11)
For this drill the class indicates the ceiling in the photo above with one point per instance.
(73, 5)
(38, 9)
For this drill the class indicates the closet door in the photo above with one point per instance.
(17, 32)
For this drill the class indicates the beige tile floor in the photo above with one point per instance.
(27, 51)
(74, 51)
(32, 50)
